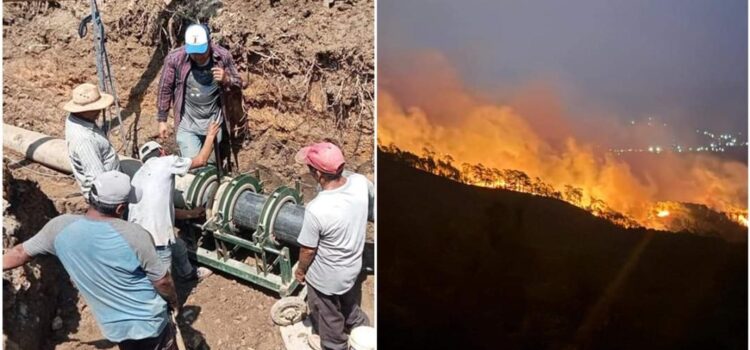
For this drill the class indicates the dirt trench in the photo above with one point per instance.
(31, 294)
(308, 68)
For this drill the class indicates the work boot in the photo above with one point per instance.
(313, 340)
(202, 273)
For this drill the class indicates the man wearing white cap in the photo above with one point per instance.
(156, 212)
(193, 80)
(331, 241)
(89, 150)
(113, 264)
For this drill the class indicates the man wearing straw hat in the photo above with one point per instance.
(89, 150)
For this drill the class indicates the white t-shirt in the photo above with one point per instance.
(335, 223)
(155, 211)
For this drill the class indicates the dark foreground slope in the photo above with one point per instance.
(463, 267)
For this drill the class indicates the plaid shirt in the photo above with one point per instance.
(175, 72)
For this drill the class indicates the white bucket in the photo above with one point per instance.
(362, 338)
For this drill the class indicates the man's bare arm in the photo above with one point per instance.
(15, 257)
(306, 257)
(165, 288)
(208, 146)
(187, 214)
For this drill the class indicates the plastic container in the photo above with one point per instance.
(362, 338)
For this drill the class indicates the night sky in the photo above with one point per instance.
(684, 62)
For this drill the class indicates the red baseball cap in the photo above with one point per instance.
(324, 156)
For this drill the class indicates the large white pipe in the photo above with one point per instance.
(49, 151)
(53, 153)
(40, 148)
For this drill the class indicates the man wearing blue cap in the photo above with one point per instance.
(193, 81)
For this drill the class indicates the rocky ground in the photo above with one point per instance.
(308, 68)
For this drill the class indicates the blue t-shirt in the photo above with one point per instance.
(112, 262)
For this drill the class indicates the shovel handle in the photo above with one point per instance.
(178, 334)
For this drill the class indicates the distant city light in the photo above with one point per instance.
(717, 143)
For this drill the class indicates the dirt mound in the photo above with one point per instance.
(308, 69)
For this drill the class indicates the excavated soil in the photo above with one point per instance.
(308, 68)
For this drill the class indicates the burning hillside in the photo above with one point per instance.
(666, 215)
(552, 276)
(528, 145)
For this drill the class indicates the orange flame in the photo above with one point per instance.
(663, 213)
(423, 108)
(742, 219)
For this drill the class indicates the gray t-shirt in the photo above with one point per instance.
(335, 223)
(202, 99)
(112, 263)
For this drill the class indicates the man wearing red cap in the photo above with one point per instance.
(332, 240)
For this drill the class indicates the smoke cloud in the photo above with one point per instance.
(423, 103)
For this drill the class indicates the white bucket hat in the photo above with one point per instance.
(87, 97)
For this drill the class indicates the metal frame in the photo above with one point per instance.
(244, 271)
(270, 256)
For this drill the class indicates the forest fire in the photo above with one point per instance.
(664, 215)
(458, 133)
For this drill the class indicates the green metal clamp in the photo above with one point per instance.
(232, 192)
(282, 195)
(203, 178)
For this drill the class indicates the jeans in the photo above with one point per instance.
(190, 144)
(176, 259)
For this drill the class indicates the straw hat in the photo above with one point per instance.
(87, 97)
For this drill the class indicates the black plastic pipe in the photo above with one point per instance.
(288, 222)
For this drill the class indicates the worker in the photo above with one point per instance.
(89, 150)
(156, 212)
(331, 241)
(113, 264)
(193, 79)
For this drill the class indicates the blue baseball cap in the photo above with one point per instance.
(196, 39)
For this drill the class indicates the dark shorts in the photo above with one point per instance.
(164, 341)
(333, 315)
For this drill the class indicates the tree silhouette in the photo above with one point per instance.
(508, 179)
